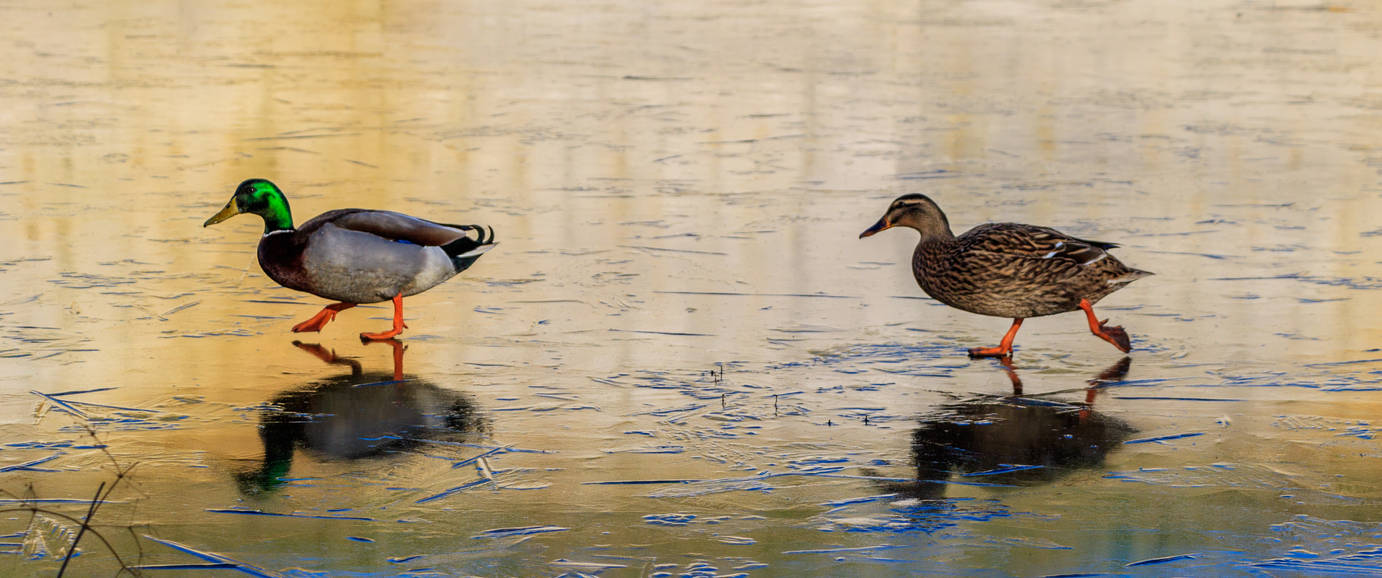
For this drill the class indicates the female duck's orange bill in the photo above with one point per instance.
(879, 226)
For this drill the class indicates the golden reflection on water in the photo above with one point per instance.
(678, 186)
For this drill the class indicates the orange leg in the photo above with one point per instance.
(398, 323)
(1004, 349)
(1114, 335)
(326, 315)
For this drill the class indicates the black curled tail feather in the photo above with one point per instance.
(465, 250)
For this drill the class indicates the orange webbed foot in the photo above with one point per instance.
(398, 324)
(1001, 352)
(318, 321)
(1100, 329)
(1005, 347)
(390, 334)
(1115, 335)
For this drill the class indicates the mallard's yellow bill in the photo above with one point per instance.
(229, 211)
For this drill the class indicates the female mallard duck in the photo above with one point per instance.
(354, 255)
(1009, 270)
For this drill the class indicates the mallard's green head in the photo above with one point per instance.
(917, 211)
(260, 197)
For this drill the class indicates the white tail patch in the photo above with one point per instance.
(1128, 278)
(481, 250)
(1096, 259)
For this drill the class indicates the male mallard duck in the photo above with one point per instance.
(354, 255)
(1009, 270)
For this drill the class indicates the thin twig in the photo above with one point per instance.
(86, 523)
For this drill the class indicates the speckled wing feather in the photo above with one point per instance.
(1018, 241)
(1015, 270)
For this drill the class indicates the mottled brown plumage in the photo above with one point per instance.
(1009, 269)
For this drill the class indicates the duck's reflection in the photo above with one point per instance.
(1013, 440)
(357, 415)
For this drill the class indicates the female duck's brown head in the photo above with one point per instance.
(914, 210)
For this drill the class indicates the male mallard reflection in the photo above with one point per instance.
(359, 415)
(1014, 439)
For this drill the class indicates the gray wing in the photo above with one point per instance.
(390, 225)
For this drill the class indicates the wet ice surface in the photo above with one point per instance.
(680, 360)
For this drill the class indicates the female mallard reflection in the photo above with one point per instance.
(1014, 439)
(355, 416)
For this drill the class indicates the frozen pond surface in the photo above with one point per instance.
(680, 360)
